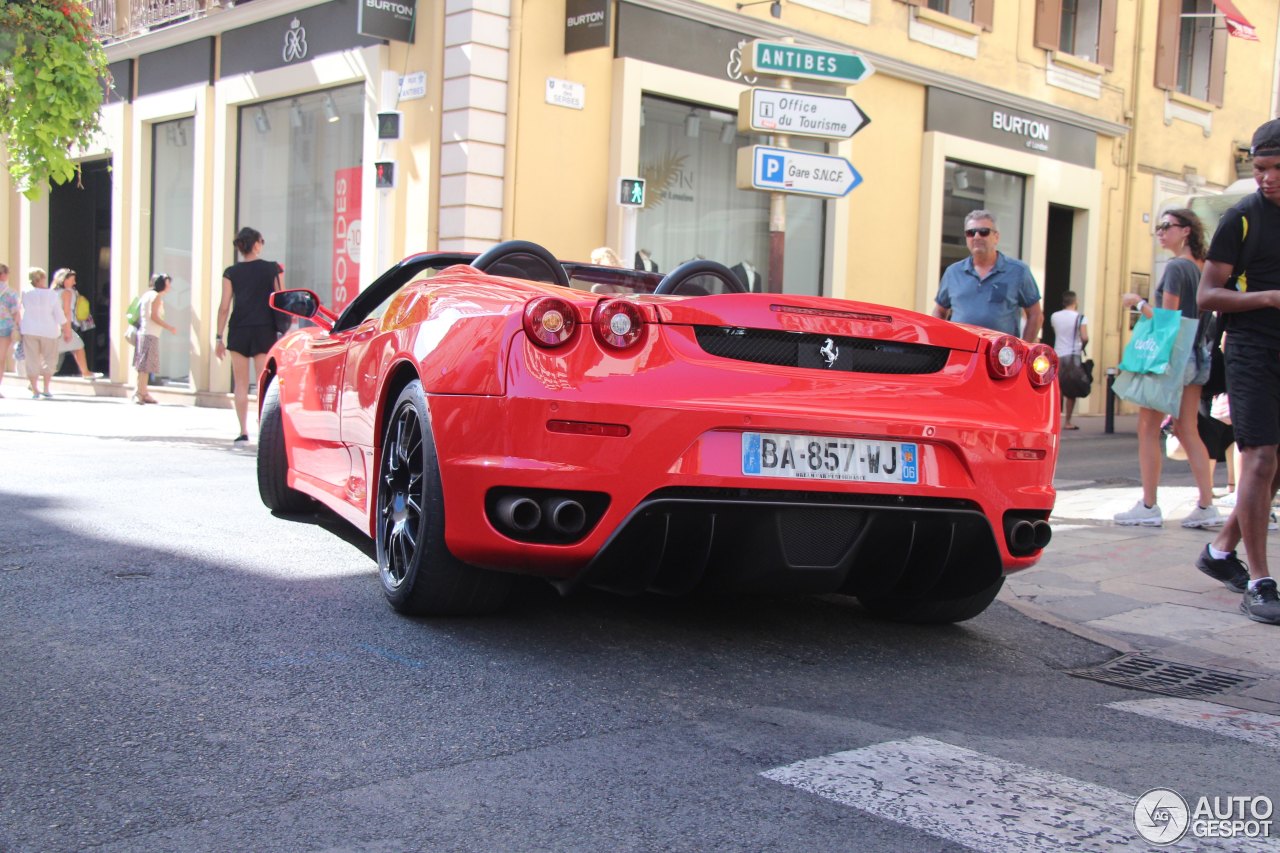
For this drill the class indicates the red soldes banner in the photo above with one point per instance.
(346, 236)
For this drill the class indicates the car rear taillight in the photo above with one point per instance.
(1042, 365)
(549, 321)
(1006, 356)
(618, 323)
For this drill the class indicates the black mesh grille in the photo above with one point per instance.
(818, 537)
(822, 352)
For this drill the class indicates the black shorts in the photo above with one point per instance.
(251, 340)
(1253, 391)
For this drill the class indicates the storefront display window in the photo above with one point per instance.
(969, 187)
(688, 156)
(300, 165)
(172, 209)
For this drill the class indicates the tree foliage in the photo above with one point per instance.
(52, 69)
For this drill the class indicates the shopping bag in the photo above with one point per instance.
(1161, 391)
(1150, 347)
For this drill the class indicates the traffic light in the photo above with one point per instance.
(389, 125)
(385, 177)
(631, 192)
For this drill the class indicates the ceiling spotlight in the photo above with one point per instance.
(692, 124)
(261, 121)
(295, 115)
(775, 6)
(728, 133)
(330, 110)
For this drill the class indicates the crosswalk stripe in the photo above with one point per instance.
(973, 799)
(1252, 726)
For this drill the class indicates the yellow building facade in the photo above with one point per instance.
(1074, 122)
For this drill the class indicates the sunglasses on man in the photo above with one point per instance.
(977, 232)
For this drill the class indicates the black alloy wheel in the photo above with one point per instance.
(419, 576)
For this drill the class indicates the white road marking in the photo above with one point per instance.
(973, 799)
(1252, 726)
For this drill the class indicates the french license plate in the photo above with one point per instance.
(822, 457)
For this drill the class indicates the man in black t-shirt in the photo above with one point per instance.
(1250, 233)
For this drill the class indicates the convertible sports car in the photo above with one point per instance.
(509, 413)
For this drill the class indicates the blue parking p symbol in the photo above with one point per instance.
(772, 168)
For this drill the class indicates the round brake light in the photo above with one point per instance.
(549, 320)
(618, 323)
(1006, 356)
(1042, 364)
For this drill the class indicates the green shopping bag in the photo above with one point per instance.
(1161, 391)
(1150, 347)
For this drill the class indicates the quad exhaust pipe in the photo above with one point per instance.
(519, 513)
(1025, 537)
(565, 516)
(555, 517)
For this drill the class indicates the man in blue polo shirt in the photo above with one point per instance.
(988, 288)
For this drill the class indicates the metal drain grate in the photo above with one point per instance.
(1161, 676)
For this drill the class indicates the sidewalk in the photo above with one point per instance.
(1137, 589)
(1129, 588)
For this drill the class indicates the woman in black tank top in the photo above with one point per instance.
(251, 331)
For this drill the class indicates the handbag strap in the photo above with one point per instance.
(1075, 335)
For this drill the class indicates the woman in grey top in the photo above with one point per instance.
(1181, 233)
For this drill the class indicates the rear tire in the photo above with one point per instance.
(419, 576)
(273, 459)
(921, 610)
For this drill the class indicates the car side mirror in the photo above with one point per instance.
(299, 303)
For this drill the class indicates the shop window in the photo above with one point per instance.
(970, 187)
(172, 211)
(1191, 50)
(1083, 28)
(694, 209)
(299, 184)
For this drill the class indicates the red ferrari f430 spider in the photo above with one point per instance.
(483, 417)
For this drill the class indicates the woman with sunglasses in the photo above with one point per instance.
(247, 315)
(1180, 233)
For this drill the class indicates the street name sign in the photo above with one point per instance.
(785, 111)
(787, 170)
(782, 59)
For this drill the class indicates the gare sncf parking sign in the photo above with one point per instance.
(787, 170)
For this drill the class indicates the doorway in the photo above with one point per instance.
(1057, 264)
(80, 238)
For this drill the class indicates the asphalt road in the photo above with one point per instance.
(180, 670)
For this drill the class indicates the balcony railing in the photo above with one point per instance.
(114, 20)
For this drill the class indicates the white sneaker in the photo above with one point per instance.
(1273, 523)
(1228, 500)
(1204, 516)
(1140, 515)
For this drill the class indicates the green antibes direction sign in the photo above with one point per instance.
(792, 60)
